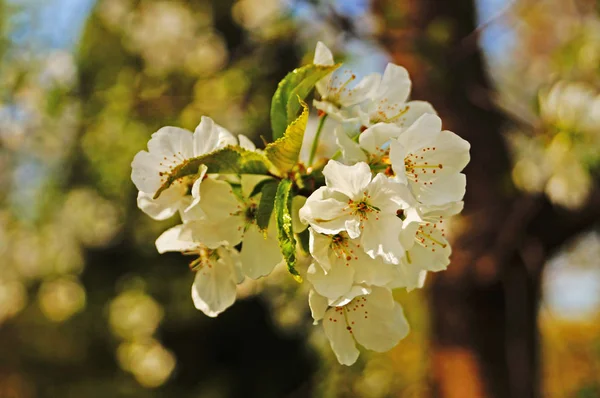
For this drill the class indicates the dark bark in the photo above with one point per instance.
(484, 308)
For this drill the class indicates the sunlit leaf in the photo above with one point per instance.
(284, 152)
(296, 84)
(229, 160)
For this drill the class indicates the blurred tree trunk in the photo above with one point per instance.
(484, 308)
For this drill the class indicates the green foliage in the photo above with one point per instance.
(280, 158)
(267, 202)
(258, 187)
(229, 160)
(284, 152)
(285, 233)
(296, 84)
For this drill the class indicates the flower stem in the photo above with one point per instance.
(315, 144)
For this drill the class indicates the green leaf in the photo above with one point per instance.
(285, 233)
(267, 203)
(297, 84)
(284, 152)
(228, 160)
(258, 187)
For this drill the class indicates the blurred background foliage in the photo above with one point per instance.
(87, 306)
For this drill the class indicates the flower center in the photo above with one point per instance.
(416, 166)
(380, 161)
(383, 110)
(250, 213)
(336, 87)
(341, 248)
(362, 208)
(425, 238)
(206, 258)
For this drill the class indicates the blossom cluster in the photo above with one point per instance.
(560, 158)
(369, 219)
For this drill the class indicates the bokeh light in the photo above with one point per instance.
(87, 306)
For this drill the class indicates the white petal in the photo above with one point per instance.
(352, 226)
(297, 203)
(374, 138)
(335, 283)
(409, 229)
(215, 233)
(407, 275)
(214, 290)
(196, 187)
(451, 150)
(218, 201)
(325, 211)
(371, 271)
(355, 291)
(168, 147)
(165, 206)
(190, 213)
(259, 255)
(230, 256)
(340, 338)
(209, 137)
(433, 252)
(397, 155)
(442, 190)
(349, 180)
(379, 238)
(388, 195)
(225, 137)
(395, 85)
(318, 305)
(319, 246)
(364, 89)
(171, 241)
(246, 143)
(422, 133)
(446, 150)
(378, 323)
(351, 151)
(330, 109)
(343, 223)
(172, 143)
(413, 111)
(145, 172)
(323, 55)
(446, 210)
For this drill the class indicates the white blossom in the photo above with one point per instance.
(223, 218)
(367, 316)
(430, 161)
(218, 270)
(371, 146)
(571, 106)
(389, 101)
(377, 222)
(430, 250)
(338, 91)
(340, 263)
(354, 202)
(169, 148)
